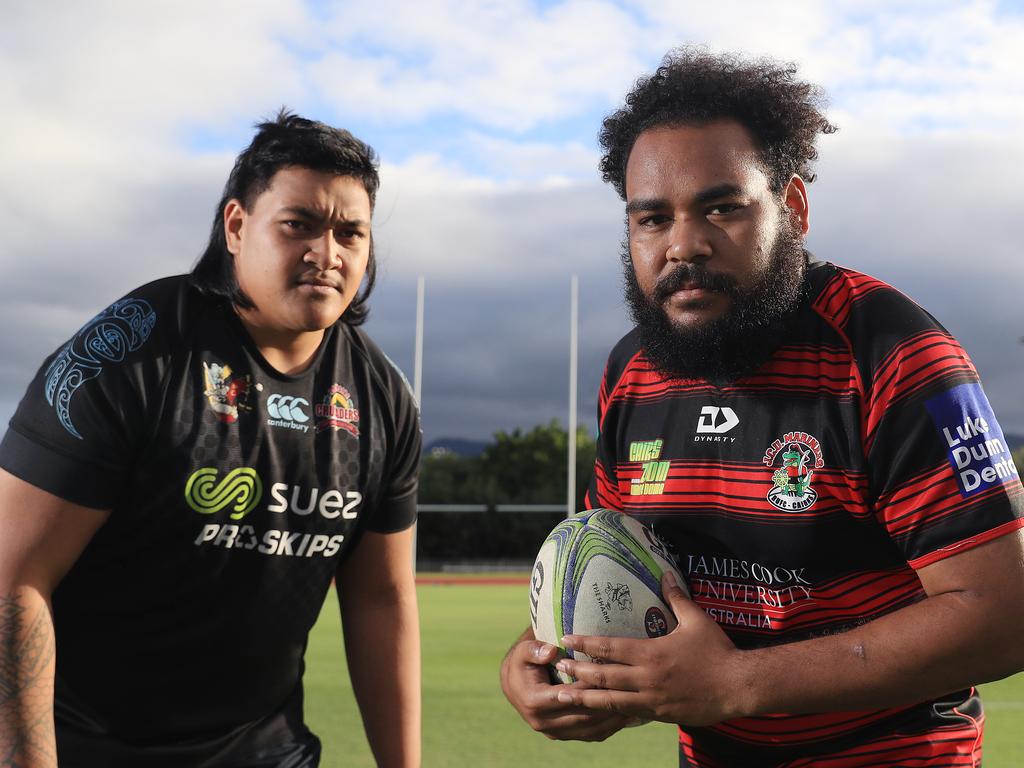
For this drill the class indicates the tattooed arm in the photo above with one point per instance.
(41, 536)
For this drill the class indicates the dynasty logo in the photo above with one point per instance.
(338, 411)
(227, 394)
(714, 422)
(800, 455)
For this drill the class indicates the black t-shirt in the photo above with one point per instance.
(235, 492)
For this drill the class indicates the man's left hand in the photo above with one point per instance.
(691, 676)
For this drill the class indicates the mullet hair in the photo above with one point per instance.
(288, 140)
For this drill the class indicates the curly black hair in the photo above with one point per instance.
(695, 87)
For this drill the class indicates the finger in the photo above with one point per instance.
(577, 718)
(615, 676)
(616, 649)
(676, 596)
(594, 726)
(535, 652)
(544, 702)
(670, 586)
(623, 702)
(578, 684)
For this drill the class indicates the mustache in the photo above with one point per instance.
(692, 276)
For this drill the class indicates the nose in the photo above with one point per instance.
(324, 252)
(689, 240)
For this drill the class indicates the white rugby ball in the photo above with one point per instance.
(599, 573)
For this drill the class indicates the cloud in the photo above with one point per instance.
(122, 120)
(500, 65)
(467, 233)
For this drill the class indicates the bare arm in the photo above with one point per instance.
(377, 593)
(967, 631)
(41, 536)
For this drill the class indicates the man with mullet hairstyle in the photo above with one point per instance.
(185, 477)
(840, 496)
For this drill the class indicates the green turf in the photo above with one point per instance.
(467, 722)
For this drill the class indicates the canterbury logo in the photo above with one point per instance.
(709, 423)
(241, 487)
(287, 408)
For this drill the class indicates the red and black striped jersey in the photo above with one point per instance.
(801, 498)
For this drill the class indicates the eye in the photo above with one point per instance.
(652, 220)
(296, 225)
(723, 209)
(350, 234)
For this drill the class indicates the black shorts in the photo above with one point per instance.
(279, 740)
(302, 753)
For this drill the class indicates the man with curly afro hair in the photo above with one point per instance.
(837, 491)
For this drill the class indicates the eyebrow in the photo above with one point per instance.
(312, 215)
(715, 192)
(642, 204)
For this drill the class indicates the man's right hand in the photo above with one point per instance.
(526, 681)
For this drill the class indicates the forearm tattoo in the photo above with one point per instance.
(26, 683)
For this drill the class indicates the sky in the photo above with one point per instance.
(122, 120)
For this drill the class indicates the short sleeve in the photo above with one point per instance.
(943, 472)
(603, 490)
(75, 432)
(397, 509)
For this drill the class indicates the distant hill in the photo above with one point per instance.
(459, 446)
(1013, 442)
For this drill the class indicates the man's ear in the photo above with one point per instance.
(794, 197)
(234, 220)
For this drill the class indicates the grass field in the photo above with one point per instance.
(467, 722)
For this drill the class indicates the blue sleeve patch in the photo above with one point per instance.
(121, 328)
(972, 437)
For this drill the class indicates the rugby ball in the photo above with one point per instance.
(599, 573)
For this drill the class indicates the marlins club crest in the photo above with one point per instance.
(338, 411)
(796, 455)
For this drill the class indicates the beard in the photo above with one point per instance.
(725, 348)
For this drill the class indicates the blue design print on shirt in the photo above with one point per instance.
(121, 328)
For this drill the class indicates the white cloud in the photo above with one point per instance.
(503, 65)
(468, 232)
(102, 190)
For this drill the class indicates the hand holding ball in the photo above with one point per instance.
(599, 573)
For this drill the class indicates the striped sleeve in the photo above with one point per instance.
(941, 474)
(604, 490)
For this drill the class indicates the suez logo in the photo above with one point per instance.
(242, 489)
(288, 411)
(714, 422)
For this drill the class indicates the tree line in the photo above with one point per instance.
(515, 468)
